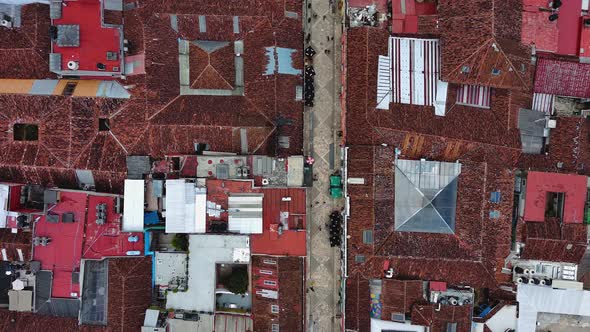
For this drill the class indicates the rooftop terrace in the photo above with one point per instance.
(81, 238)
(82, 37)
(566, 35)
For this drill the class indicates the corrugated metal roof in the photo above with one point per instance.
(415, 66)
(133, 205)
(245, 213)
(410, 74)
(563, 78)
(186, 207)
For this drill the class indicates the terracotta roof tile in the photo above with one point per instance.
(398, 296)
(198, 61)
(553, 241)
(291, 296)
(156, 119)
(358, 303)
(210, 79)
(12, 242)
(223, 60)
(563, 78)
(130, 291)
(483, 40)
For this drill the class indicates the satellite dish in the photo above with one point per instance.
(73, 65)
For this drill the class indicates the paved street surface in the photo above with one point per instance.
(322, 123)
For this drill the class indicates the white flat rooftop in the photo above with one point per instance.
(205, 252)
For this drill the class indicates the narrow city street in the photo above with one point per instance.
(323, 30)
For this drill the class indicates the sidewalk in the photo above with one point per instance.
(322, 124)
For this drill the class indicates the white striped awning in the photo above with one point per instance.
(410, 74)
(474, 95)
(543, 102)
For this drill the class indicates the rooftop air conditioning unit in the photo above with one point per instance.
(265, 182)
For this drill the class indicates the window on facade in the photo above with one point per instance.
(269, 272)
(275, 327)
(270, 283)
(359, 258)
(368, 237)
(269, 261)
(465, 69)
(494, 214)
(25, 132)
(496, 71)
(495, 197)
(274, 309)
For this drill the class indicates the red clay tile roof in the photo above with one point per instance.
(210, 79)
(398, 296)
(471, 255)
(417, 130)
(25, 51)
(206, 69)
(29, 322)
(488, 37)
(290, 272)
(130, 292)
(358, 303)
(156, 120)
(551, 239)
(563, 78)
(569, 144)
(12, 242)
(554, 250)
(198, 61)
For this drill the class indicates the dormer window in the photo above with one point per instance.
(496, 71)
(465, 69)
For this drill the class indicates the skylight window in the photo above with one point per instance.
(25, 132)
(103, 124)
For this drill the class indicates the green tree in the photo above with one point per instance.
(237, 281)
(180, 242)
